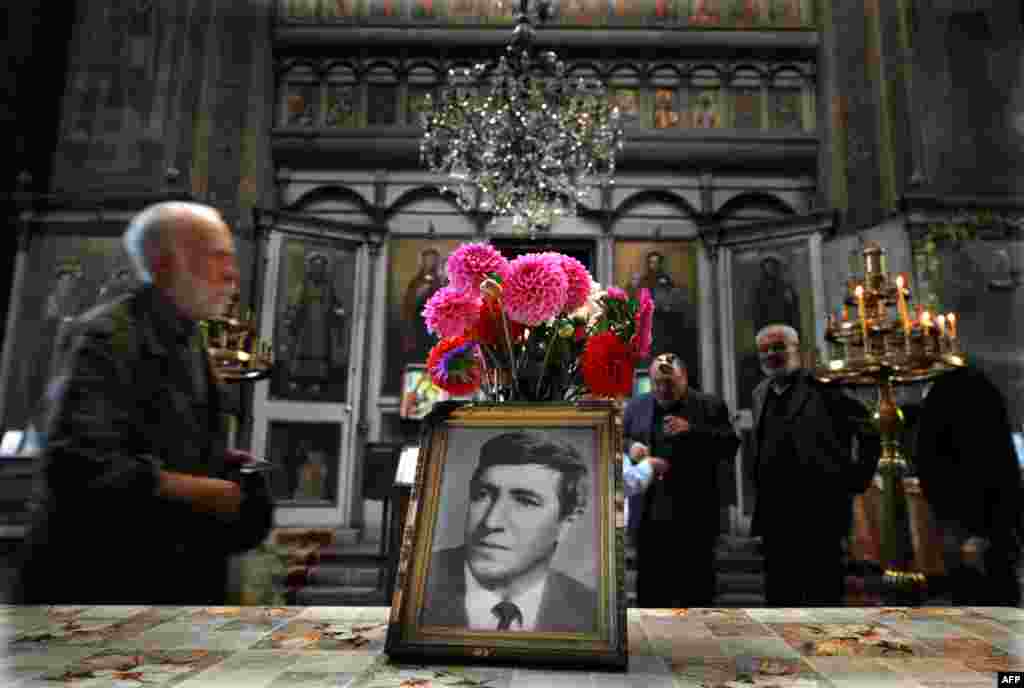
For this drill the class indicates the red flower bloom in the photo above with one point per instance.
(608, 365)
(454, 365)
(489, 330)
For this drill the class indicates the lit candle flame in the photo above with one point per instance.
(952, 325)
(859, 291)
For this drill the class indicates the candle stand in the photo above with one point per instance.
(882, 351)
(236, 352)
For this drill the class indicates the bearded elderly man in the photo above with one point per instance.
(685, 435)
(805, 474)
(135, 506)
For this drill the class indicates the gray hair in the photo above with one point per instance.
(788, 333)
(151, 232)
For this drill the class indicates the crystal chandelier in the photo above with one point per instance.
(521, 139)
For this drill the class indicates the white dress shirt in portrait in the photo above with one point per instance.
(480, 603)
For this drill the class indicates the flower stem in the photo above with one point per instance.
(511, 355)
(547, 357)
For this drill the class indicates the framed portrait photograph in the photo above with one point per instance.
(513, 543)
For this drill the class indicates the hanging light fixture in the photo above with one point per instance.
(520, 138)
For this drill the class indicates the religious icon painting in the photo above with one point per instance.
(300, 104)
(299, 10)
(788, 13)
(418, 104)
(666, 108)
(747, 109)
(583, 12)
(705, 13)
(786, 109)
(416, 272)
(771, 285)
(628, 102)
(669, 270)
(559, 463)
(752, 14)
(629, 12)
(315, 305)
(384, 9)
(341, 10)
(498, 11)
(305, 457)
(705, 109)
(425, 9)
(463, 11)
(342, 106)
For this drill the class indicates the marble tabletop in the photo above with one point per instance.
(342, 647)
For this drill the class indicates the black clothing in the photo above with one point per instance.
(126, 405)
(969, 474)
(806, 480)
(680, 521)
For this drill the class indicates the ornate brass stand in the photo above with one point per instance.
(882, 352)
(236, 352)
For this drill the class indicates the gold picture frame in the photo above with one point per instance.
(537, 491)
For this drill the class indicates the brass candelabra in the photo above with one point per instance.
(882, 350)
(237, 354)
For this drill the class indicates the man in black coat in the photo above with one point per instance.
(527, 491)
(692, 433)
(805, 474)
(134, 504)
(970, 476)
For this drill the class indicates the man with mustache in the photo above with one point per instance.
(137, 486)
(684, 435)
(805, 474)
(526, 493)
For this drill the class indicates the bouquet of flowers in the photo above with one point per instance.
(537, 328)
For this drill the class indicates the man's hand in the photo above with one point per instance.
(237, 457)
(659, 466)
(638, 451)
(674, 425)
(212, 495)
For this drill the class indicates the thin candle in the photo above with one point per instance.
(861, 314)
(941, 320)
(952, 325)
(902, 305)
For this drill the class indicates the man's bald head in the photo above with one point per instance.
(778, 348)
(185, 250)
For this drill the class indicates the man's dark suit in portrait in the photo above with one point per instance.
(135, 504)
(526, 493)
(693, 433)
(805, 474)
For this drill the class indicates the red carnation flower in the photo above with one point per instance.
(607, 366)
(490, 331)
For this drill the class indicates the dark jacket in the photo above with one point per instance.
(568, 606)
(821, 477)
(122, 408)
(965, 457)
(692, 484)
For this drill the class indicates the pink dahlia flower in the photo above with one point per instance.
(579, 283)
(450, 311)
(535, 289)
(617, 294)
(471, 264)
(643, 338)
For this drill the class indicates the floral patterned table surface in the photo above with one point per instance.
(342, 647)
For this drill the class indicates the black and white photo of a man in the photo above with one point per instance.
(527, 493)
